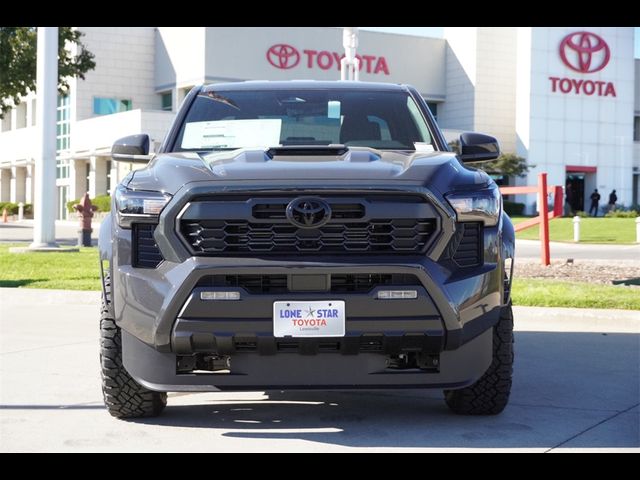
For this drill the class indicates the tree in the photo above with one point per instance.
(18, 62)
(508, 164)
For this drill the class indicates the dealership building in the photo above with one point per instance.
(566, 99)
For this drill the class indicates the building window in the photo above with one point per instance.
(433, 107)
(63, 125)
(88, 177)
(33, 112)
(62, 169)
(167, 101)
(636, 128)
(106, 106)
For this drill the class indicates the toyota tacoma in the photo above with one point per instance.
(306, 235)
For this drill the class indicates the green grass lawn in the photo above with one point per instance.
(592, 230)
(80, 271)
(69, 271)
(552, 293)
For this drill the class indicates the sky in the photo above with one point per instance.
(438, 32)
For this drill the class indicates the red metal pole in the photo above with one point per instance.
(558, 202)
(544, 219)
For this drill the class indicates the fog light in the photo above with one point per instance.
(397, 294)
(219, 295)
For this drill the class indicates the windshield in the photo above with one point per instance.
(271, 118)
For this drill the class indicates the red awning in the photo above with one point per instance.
(580, 169)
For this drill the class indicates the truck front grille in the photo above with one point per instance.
(374, 236)
(278, 283)
(257, 224)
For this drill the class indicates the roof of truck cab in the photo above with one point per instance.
(304, 84)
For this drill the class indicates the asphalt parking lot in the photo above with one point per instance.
(576, 387)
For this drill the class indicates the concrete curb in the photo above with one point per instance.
(558, 319)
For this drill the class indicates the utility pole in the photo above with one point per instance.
(44, 231)
(350, 64)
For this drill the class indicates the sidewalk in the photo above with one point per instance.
(575, 388)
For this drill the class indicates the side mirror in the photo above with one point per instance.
(477, 147)
(134, 148)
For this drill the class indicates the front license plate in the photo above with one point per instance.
(308, 319)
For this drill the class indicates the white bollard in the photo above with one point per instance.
(637, 229)
(20, 211)
(576, 229)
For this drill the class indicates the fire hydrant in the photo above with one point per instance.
(85, 214)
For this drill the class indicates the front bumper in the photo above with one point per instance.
(162, 319)
(157, 371)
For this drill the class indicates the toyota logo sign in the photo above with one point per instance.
(584, 52)
(308, 212)
(283, 56)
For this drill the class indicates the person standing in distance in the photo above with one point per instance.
(613, 198)
(595, 200)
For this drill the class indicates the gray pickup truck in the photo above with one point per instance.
(306, 235)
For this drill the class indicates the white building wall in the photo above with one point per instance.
(101, 132)
(579, 129)
(17, 145)
(636, 82)
(458, 111)
(124, 59)
(242, 53)
(481, 82)
(523, 103)
(494, 108)
(179, 57)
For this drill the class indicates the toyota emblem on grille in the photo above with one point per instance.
(308, 212)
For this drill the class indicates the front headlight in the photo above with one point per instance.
(478, 205)
(138, 206)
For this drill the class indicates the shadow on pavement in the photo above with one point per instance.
(52, 407)
(13, 225)
(20, 283)
(565, 384)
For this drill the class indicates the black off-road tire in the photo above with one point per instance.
(490, 394)
(123, 396)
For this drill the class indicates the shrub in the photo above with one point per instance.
(622, 214)
(102, 203)
(513, 208)
(13, 208)
(70, 205)
(581, 214)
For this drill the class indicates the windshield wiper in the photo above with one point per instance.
(219, 98)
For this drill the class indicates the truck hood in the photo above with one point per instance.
(358, 166)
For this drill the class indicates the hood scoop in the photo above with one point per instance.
(294, 153)
(319, 153)
(307, 151)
